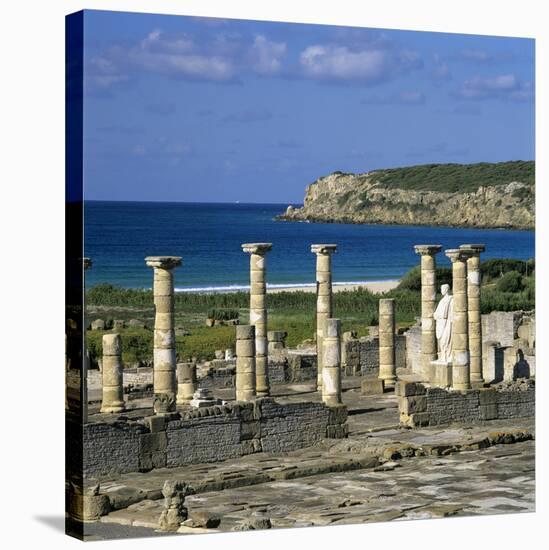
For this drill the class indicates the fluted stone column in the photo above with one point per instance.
(164, 359)
(473, 298)
(113, 388)
(186, 382)
(245, 363)
(258, 312)
(331, 371)
(429, 351)
(460, 325)
(324, 306)
(387, 353)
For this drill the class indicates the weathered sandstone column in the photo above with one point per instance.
(164, 360)
(460, 325)
(258, 312)
(387, 359)
(113, 388)
(473, 298)
(324, 308)
(186, 382)
(429, 353)
(245, 363)
(331, 354)
(86, 358)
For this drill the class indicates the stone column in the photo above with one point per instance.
(429, 351)
(331, 371)
(186, 382)
(324, 306)
(245, 363)
(387, 352)
(258, 312)
(473, 299)
(113, 384)
(460, 324)
(87, 263)
(164, 360)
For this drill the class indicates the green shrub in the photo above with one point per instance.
(412, 279)
(223, 314)
(495, 268)
(458, 177)
(510, 282)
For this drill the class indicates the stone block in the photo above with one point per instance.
(488, 412)
(412, 404)
(158, 459)
(88, 507)
(249, 430)
(443, 373)
(488, 396)
(420, 419)
(372, 386)
(337, 431)
(405, 389)
(155, 423)
(338, 414)
(148, 443)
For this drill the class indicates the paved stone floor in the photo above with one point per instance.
(497, 480)
(380, 473)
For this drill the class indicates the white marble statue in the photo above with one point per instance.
(443, 318)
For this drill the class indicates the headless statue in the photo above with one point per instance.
(443, 318)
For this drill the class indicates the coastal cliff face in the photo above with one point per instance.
(373, 198)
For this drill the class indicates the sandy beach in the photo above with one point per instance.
(374, 286)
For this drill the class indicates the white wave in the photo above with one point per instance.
(239, 288)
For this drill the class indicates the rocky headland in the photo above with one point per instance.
(484, 195)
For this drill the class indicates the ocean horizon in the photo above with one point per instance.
(118, 235)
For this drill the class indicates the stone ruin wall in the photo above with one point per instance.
(208, 434)
(504, 333)
(428, 406)
(360, 356)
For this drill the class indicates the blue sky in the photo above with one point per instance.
(211, 110)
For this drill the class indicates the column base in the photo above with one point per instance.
(263, 393)
(114, 408)
(442, 374)
(476, 384)
(388, 382)
(461, 387)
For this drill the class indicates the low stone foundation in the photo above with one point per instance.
(420, 405)
(208, 434)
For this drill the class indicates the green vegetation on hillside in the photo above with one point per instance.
(461, 178)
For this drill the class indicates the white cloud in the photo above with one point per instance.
(505, 86)
(338, 62)
(368, 63)
(266, 56)
(179, 56)
(479, 56)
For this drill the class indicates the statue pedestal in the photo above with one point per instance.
(443, 373)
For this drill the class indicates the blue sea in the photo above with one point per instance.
(118, 236)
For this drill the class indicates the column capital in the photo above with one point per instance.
(163, 262)
(457, 255)
(87, 263)
(257, 248)
(323, 248)
(473, 249)
(427, 249)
